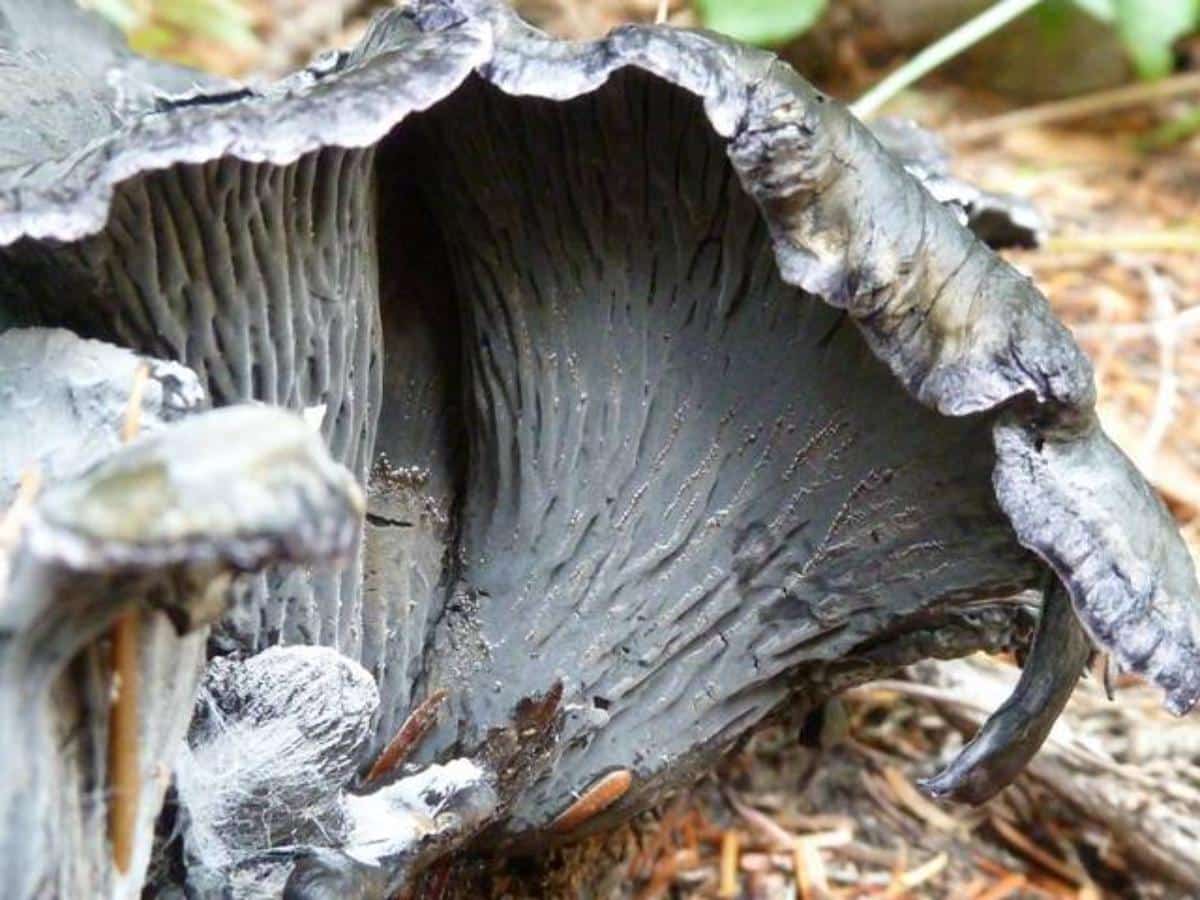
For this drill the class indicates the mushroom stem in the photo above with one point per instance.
(1012, 735)
(123, 725)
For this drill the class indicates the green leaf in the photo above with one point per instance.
(1104, 10)
(1055, 19)
(1149, 28)
(760, 21)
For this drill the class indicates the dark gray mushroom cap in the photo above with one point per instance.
(676, 396)
(963, 331)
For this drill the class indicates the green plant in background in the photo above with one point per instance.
(165, 28)
(765, 22)
(1148, 28)
(173, 29)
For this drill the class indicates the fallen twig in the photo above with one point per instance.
(729, 865)
(918, 804)
(1076, 107)
(927, 871)
(1005, 887)
(1129, 241)
(992, 19)
(415, 726)
(123, 751)
(1032, 852)
(1168, 380)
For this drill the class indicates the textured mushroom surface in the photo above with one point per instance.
(62, 405)
(63, 402)
(676, 397)
(155, 531)
(275, 741)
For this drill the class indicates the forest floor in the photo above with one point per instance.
(839, 816)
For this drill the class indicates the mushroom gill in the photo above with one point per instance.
(676, 397)
(680, 477)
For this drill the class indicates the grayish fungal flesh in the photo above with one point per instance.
(675, 395)
(63, 402)
(1015, 731)
(158, 528)
(259, 773)
(999, 220)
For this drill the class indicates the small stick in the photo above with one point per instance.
(944, 48)
(1181, 322)
(811, 879)
(133, 408)
(927, 871)
(641, 867)
(729, 865)
(12, 520)
(600, 795)
(1005, 887)
(408, 735)
(1076, 107)
(1167, 395)
(917, 803)
(123, 755)
(123, 739)
(1023, 845)
(1130, 241)
(660, 14)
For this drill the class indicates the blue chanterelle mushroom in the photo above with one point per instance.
(674, 396)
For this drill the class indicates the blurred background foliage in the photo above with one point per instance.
(227, 35)
(206, 34)
(1147, 29)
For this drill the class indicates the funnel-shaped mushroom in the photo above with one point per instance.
(677, 397)
(154, 532)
